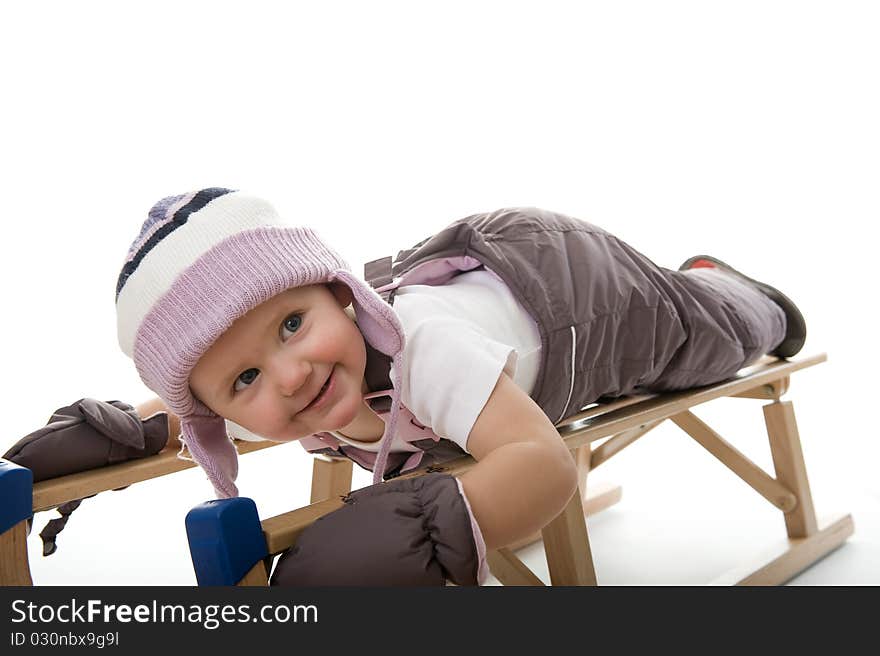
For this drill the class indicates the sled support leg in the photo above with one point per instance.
(331, 477)
(808, 539)
(14, 567)
(596, 496)
(569, 558)
(788, 460)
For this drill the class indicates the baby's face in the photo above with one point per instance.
(265, 370)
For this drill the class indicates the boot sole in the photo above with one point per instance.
(795, 325)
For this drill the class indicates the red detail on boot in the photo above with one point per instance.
(703, 264)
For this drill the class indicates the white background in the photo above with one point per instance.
(744, 130)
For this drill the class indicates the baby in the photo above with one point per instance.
(497, 328)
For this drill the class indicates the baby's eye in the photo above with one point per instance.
(246, 377)
(292, 322)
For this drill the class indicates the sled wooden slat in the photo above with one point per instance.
(281, 531)
(53, 492)
(665, 405)
(769, 391)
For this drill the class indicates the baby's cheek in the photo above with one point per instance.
(355, 348)
(256, 422)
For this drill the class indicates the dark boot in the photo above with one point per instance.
(795, 326)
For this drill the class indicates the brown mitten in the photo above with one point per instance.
(85, 435)
(89, 434)
(409, 531)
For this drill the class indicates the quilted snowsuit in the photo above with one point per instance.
(611, 321)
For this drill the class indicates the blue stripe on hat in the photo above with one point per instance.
(156, 214)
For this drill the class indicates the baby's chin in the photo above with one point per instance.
(338, 423)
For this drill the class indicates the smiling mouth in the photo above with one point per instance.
(321, 391)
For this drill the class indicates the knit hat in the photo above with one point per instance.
(201, 261)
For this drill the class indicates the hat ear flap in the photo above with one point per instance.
(210, 447)
(376, 319)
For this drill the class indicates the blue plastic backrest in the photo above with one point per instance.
(16, 494)
(225, 540)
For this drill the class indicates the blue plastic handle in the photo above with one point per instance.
(16, 493)
(225, 540)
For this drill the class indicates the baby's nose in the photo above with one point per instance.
(290, 379)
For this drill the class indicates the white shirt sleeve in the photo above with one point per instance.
(450, 370)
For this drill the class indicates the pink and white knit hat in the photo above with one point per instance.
(201, 261)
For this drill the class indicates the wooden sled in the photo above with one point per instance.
(230, 546)
(566, 543)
